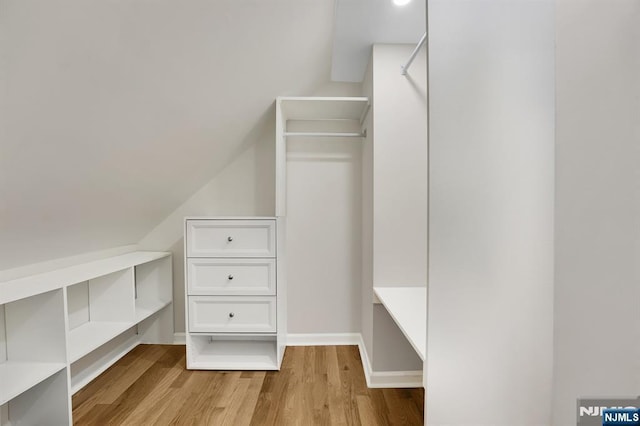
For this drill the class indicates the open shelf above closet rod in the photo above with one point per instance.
(405, 68)
(327, 134)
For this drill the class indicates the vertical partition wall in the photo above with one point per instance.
(597, 211)
(395, 216)
(490, 306)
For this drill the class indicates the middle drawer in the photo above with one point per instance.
(231, 277)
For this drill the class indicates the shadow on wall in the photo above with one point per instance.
(419, 91)
(264, 165)
(245, 187)
(324, 222)
(178, 286)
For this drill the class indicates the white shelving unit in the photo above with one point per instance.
(301, 108)
(302, 117)
(60, 329)
(408, 308)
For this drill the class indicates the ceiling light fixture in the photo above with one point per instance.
(401, 2)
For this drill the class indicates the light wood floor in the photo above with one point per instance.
(317, 385)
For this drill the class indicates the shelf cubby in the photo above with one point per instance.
(153, 288)
(99, 310)
(233, 352)
(87, 368)
(46, 403)
(32, 342)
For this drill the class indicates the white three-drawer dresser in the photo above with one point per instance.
(235, 297)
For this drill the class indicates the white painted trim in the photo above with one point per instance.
(387, 379)
(375, 379)
(396, 379)
(323, 339)
(364, 358)
(180, 338)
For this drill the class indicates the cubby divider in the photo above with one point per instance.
(110, 311)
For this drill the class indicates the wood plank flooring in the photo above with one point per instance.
(317, 385)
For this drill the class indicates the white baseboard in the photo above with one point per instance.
(179, 338)
(395, 379)
(375, 379)
(364, 358)
(387, 379)
(323, 339)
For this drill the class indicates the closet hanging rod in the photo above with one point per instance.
(328, 134)
(405, 68)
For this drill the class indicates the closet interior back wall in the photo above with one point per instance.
(324, 214)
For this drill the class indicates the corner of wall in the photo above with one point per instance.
(245, 187)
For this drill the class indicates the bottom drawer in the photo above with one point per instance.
(228, 314)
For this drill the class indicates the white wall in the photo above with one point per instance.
(597, 288)
(113, 113)
(400, 172)
(395, 197)
(323, 234)
(366, 321)
(490, 307)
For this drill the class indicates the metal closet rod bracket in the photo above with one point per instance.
(405, 68)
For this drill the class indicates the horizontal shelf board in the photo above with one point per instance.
(47, 281)
(230, 360)
(240, 335)
(325, 134)
(323, 108)
(232, 366)
(408, 308)
(82, 373)
(231, 257)
(92, 335)
(230, 218)
(146, 309)
(18, 377)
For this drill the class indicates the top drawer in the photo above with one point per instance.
(231, 238)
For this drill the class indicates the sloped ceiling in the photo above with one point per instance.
(113, 112)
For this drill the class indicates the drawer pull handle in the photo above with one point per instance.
(231, 315)
(229, 239)
(230, 277)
